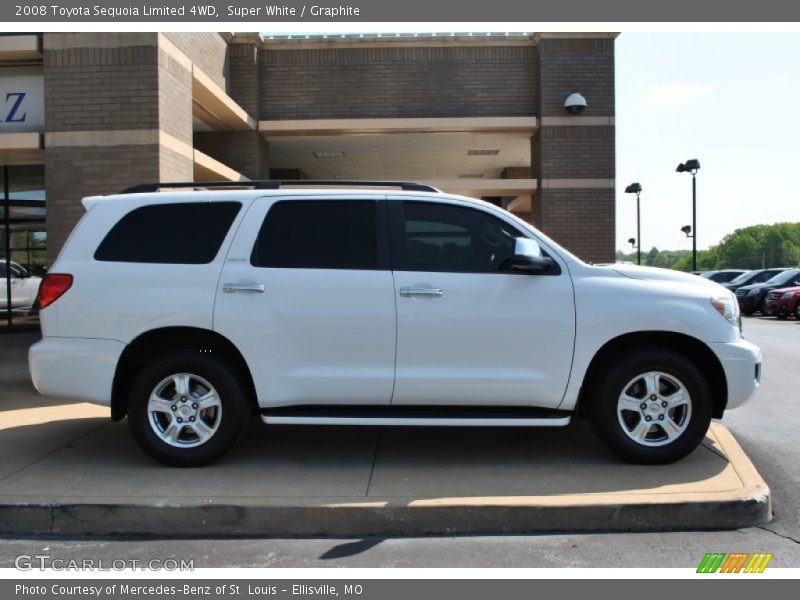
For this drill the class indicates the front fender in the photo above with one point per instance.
(609, 306)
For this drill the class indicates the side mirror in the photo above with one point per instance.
(528, 257)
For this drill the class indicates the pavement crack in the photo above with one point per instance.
(780, 535)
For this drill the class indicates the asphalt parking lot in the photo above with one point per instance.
(765, 427)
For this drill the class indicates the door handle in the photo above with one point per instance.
(230, 288)
(420, 291)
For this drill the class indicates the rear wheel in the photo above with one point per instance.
(186, 409)
(652, 407)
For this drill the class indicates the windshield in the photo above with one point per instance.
(743, 277)
(783, 277)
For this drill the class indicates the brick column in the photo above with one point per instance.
(118, 111)
(244, 85)
(572, 156)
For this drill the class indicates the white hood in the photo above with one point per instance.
(658, 274)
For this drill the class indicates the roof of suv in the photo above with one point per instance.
(303, 189)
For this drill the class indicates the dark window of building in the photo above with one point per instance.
(187, 233)
(301, 234)
(444, 237)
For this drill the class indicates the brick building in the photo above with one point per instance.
(92, 113)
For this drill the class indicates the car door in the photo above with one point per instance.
(26, 287)
(470, 331)
(10, 279)
(307, 296)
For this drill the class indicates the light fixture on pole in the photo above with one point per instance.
(692, 166)
(636, 188)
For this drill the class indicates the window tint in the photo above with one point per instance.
(186, 233)
(746, 276)
(784, 277)
(318, 234)
(443, 237)
(763, 276)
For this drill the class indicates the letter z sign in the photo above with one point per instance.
(12, 109)
(21, 100)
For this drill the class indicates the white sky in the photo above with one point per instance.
(728, 99)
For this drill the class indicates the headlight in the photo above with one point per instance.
(788, 296)
(728, 308)
(755, 292)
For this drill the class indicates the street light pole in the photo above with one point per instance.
(692, 166)
(636, 188)
(694, 221)
(638, 231)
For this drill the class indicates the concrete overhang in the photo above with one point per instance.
(214, 107)
(15, 48)
(210, 169)
(21, 148)
(486, 187)
(398, 125)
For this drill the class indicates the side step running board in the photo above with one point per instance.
(442, 416)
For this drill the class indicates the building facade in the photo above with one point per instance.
(93, 113)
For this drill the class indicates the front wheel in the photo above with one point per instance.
(186, 409)
(652, 407)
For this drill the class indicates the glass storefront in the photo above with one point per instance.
(23, 243)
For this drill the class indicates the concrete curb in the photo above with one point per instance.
(747, 506)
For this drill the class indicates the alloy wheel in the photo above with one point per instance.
(654, 408)
(184, 410)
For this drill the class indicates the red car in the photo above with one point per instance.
(783, 302)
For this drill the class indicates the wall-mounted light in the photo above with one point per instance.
(575, 103)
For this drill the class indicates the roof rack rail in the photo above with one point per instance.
(276, 184)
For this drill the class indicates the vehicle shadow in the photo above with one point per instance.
(94, 458)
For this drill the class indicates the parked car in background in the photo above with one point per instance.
(783, 302)
(24, 286)
(723, 275)
(751, 277)
(753, 297)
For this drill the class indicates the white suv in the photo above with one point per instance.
(189, 310)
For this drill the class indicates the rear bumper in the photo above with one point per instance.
(741, 362)
(77, 368)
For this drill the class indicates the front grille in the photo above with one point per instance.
(741, 293)
(774, 295)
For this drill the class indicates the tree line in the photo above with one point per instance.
(754, 247)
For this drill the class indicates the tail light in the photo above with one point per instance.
(53, 287)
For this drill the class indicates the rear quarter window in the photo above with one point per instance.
(187, 233)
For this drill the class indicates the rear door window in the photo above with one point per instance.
(188, 233)
(318, 234)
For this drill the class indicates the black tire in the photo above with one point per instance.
(602, 407)
(229, 421)
(748, 312)
(797, 311)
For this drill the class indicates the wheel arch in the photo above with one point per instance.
(167, 339)
(694, 349)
